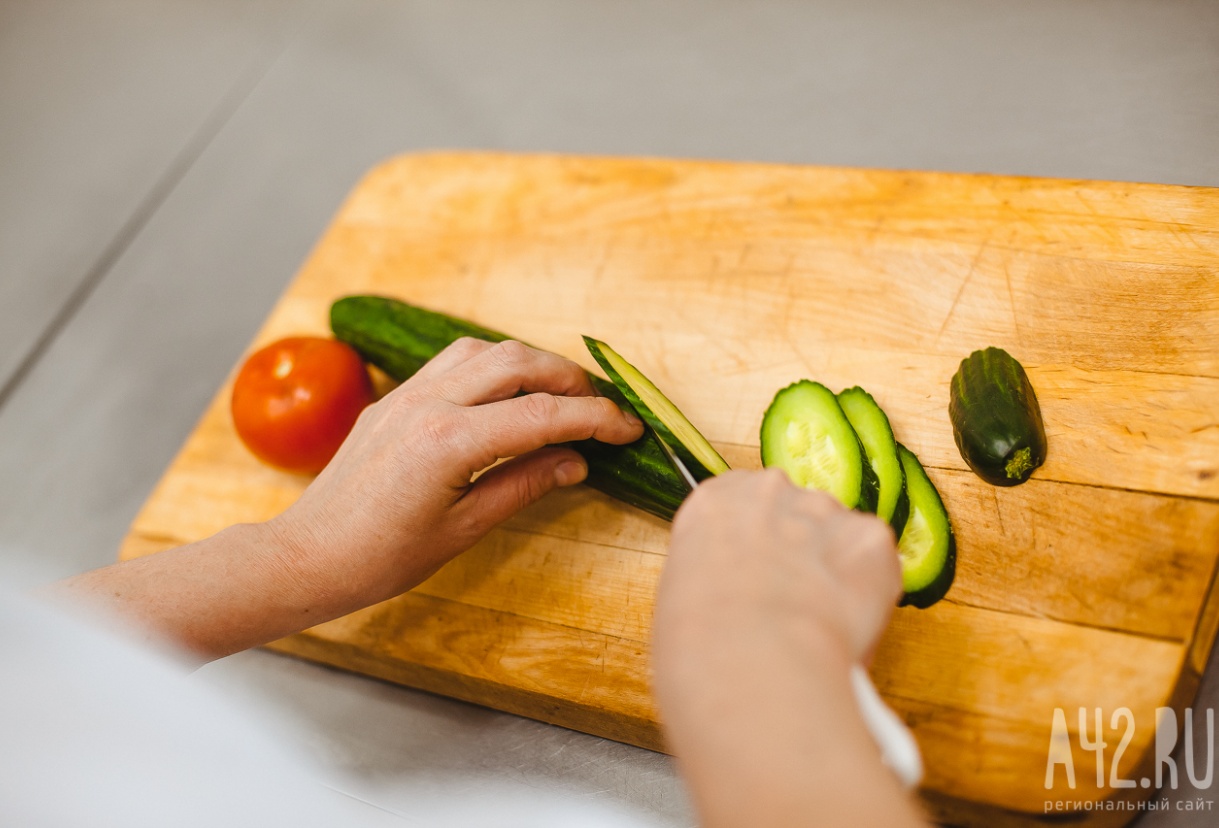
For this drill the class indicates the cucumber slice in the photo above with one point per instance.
(927, 548)
(876, 435)
(657, 411)
(805, 433)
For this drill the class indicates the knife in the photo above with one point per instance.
(898, 750)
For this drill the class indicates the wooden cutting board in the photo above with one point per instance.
(1089, 586)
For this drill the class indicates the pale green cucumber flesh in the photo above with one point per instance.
(806, 433)
(874, 432)
(699, 456)
(927, 546)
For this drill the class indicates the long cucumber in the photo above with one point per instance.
(400, 338)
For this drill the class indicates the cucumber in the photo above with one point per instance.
(996, 419)
(400, 338)
(927, 547)
(805, 433)
(698, 455)
(876, 435)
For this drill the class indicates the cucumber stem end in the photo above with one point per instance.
(1020, 464)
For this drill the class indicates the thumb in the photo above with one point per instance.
(504, 490)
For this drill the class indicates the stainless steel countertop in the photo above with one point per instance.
(166, 166)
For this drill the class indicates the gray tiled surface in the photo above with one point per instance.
(165, 167)
(102, 106)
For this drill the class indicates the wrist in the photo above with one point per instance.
(826, 645)
(750, 734)
(291, 563)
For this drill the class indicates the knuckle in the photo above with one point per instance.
(820, 504)
(540, 408)
(577, 377)
(874, 535)
(408, 399)
(774, 480)
(510, 353)
(531, 488)
(469, 525)
(441, 427)
(466, 346)
(403, 400)
(874, 550)
(606, 407)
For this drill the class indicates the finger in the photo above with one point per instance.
(755, 492)
(504, 490)
(461, 350)
(816, 504)
(867, 554)
(522, 424)
(866, 561)
(508, 368)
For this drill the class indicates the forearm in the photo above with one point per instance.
(784, 745)
(237, 589)
(394, 504)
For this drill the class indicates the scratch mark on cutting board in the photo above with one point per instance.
(956, 300)
(1011, 299)
(599, 271)
(1027, 646)
(998, 513)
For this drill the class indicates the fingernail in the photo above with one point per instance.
(570, 472)
(631, 417)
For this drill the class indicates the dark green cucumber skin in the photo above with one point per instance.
(400, 338)
(996, 419)
(397, 337)
(901, 513)
(869, 493)
(937, 589)
(695, 466)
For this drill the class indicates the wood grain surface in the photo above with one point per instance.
(1089, 586)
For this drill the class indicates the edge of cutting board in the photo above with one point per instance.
(351, 643)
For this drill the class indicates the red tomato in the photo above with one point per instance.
(295, 401)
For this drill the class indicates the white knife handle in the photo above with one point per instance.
(898, 750)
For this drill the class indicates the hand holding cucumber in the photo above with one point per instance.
(397, 501)
(770, 594)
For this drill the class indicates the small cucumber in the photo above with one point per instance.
(876, 435)
(806, 433)
(699, 456)
(996, 419)
(927, 547)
